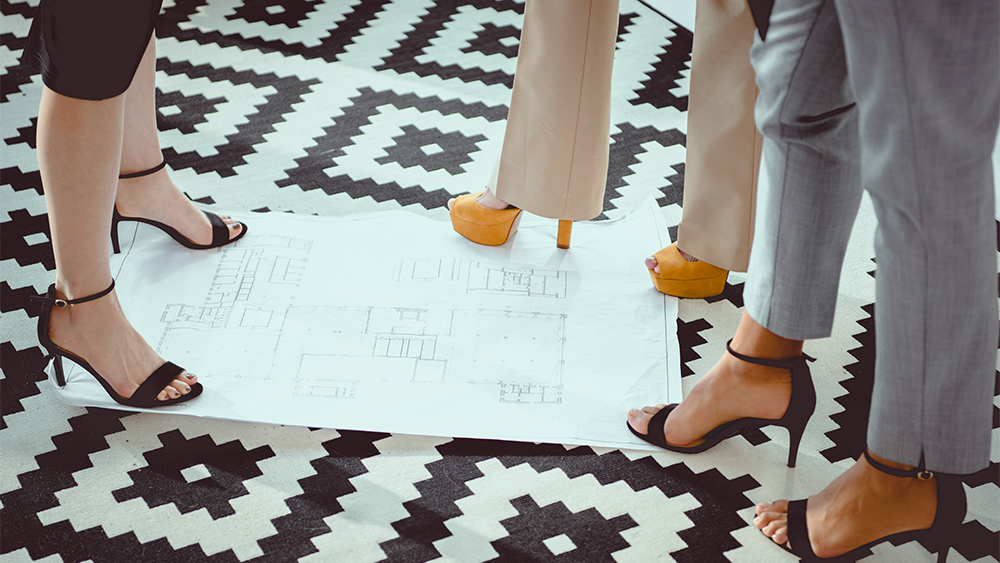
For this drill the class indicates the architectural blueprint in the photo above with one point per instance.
(393, 322)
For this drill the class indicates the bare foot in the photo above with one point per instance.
(156, 197)
(652, 264)
(98, 332)
(487, 200)
(732, 389)
(861, 506)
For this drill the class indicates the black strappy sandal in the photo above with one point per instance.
(948, 519)
(800, 408)
(144, 396)
(220, 231)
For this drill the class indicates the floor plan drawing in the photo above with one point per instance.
(333, 351)
(483, 277)
(343, 323)
(513, 280)
(428, 269)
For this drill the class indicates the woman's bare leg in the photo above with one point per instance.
(154, 196)
(79, 144)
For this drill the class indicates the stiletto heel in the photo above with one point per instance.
(951, 508)
(565, 230)
(115, 219)
(57, 365)
(794, 439)
(144, 396)
(220, 230)
(800, 407)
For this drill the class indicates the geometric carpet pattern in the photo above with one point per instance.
(338, 107)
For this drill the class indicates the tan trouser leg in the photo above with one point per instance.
(554, 161)
(723, 145)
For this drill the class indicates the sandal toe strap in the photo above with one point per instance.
(145, 395)
(654, 430)
(220, 230)
(798, 531)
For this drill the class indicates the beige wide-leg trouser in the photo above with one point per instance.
(723, 145)
(554, 161)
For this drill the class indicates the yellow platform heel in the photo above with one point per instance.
(492, 227)
(681, 278)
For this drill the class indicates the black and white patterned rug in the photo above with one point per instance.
(339, 107)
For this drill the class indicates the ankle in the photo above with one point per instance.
(920, 495)
(747, 374)
(888, 462)
(146, 158)
(687, 256)
(754, 340)
(81, 286)
(490, 201)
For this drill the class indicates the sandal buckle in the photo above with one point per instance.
(924, 475)
(61, 303)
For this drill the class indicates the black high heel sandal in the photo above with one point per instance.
(144, 396)
(220, 231)
(948, 519)
(800, 408)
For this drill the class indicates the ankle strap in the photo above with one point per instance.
(764, 362)
(142, 173)
(919, 473)
(65, 302)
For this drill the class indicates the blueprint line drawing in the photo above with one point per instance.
(427, 269)
(321, 322)
(513, 280)
(331, 351)
(483, 277)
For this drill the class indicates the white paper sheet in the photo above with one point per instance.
(392, 322)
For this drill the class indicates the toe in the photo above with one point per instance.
(765, 519)
(772, 520)
(770, 524)
(763, 507)
(638, 420)
(652, 264)
(780, 536)
(180, 386)
(450, 203)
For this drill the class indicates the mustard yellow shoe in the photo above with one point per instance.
(681, 278)
(483, 225)
(492, 227)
